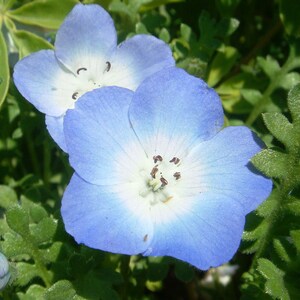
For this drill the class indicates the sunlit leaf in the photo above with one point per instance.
(48, 14)
(274, 279)
(4, 70)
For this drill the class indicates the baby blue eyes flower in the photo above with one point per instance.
(4, 271)
(156, 175)
(86, 57)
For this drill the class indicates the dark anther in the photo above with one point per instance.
(75, 95)
(164, 181)
(108, 66)
(157, 158)
(81, 69)
(145, 238)
(177, 175)
(175, 160)
(154, 171)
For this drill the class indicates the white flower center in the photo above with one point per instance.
(87, 82)
(160, 181)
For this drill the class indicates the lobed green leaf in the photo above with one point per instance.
(275, 285)
(272, 163)
(280, 127)
(8, 196)
(18, 220)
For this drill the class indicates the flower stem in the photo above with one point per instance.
(125, 269)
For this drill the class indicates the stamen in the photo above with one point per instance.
(75, 95)
(177, 175)
(157, 158)
(108, 66)
(154, 171)
(175, 160)
(163, 181)
(81, 69)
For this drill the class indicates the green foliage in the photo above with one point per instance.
(289, 16)
(48, 14)
(249, 51)
(4, 71)
(267, 236)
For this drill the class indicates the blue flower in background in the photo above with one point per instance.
(4, 271)
(86, 57)
(156, 175)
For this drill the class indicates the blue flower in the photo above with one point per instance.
(156, 175)
(86, 57)
(4, 271)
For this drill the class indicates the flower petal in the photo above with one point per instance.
(222, 165)
(99, 138)
(171, 109)
(86, 38)
(204, 231)
(96, 217)
(136, 59)
(55, 126)
(45, 83)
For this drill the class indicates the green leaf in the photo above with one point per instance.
(280, 127)
(44, 230)
(294, 104)
(230, 92)
(151, 4)
(91, 287)
(13, 245)
(295, 234)
(8, 196)
(34, 292)
(289, 14)
(269, 65)
(281, 247)
(4, 70)
(26, 272)
(18, 220)
(37, 213)
(222, 64)
(251, 95)
(275, 285)
(28, 42)
(193, 66)
(61, 290)
(51, 254)
(293, 207)
(165, 35)
(271, 163)
(48, 14)
(256, 233)
(185, 32)
(140, 28)
(289, 80)
(227, 27)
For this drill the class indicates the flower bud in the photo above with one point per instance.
(4, 271)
